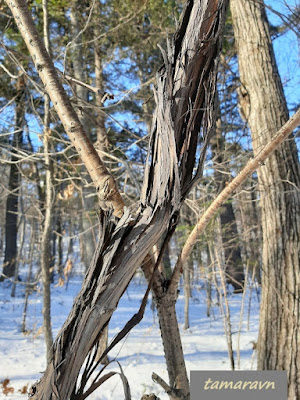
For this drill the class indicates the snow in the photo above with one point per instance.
(140, 353)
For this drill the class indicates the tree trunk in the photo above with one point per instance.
(264, 105)
(46, 250)
(174, 355)
(12, 202)
(46, 234)
(165, 301)
(102, 138)
(88, 202)
(250, 230)
(234, 271)
(188, 268)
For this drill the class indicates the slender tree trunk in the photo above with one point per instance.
(234, 271)
(88, 238)
(263, 103)
(210, 272)
(165, 302)
(12, 201)
(46, 235)
(187, 291)
(22, 229)
(59, 244)
(102, 138)
(29, 278)
(250, 230)
(172, 345)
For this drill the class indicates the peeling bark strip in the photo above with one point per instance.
(184, 118)
(104, 182)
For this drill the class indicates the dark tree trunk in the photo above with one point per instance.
(12, 202)
(234, 271)
(250, 230)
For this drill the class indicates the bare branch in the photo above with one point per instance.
(104, 182)
(251, 166)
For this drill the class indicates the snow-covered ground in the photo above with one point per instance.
(140, 354)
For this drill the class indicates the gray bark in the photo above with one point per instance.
(187, 291)
(46, 234)
(194, 96)
(264, 105)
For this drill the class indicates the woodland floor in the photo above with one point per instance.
(22, 357)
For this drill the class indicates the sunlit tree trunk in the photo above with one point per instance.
(264, 106)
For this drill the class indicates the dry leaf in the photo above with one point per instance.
(67, 193)
(60, 282)
(68, 268)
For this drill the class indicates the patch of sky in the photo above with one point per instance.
(286, 47)
(123, 116)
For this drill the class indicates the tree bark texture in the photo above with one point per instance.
(188, 79)
(46, 234)
(188, 268)
(264, 105)
(12, 201)
(182, 125)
